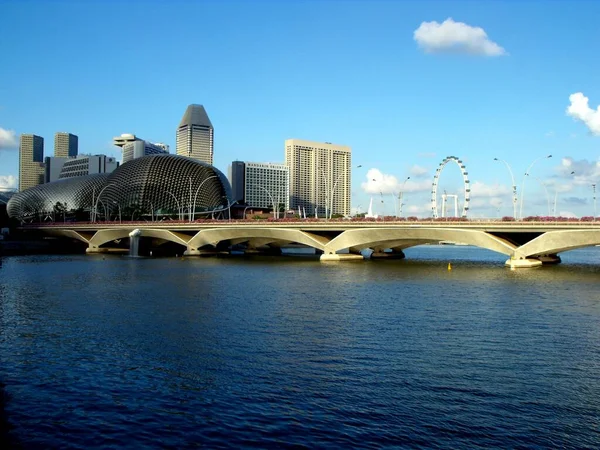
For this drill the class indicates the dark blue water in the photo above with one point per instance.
(280, 352)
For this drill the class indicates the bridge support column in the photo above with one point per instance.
(93, 249)
(523, 263)
(340, 257)
(379, 253)
(191, 251)
(549, 259)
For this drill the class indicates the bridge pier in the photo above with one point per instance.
(523, 263)
(381, 254)
(549, 259)
(92, 249)
(190, 251)
(340, 257)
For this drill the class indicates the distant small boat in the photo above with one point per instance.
(451, 243)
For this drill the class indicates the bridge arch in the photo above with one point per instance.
(553, 242)
(363, 238)
(214, 236)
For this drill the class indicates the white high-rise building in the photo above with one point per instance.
(264, 185)
(320, 177)
(195, 135)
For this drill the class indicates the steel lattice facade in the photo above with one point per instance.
(156, 185)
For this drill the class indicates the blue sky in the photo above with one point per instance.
(395, 80)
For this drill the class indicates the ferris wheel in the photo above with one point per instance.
(436, 179)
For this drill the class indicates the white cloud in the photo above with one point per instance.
(8, 182)
(418, 171)
(8, 139)
(586, 172)
(455, 37)
(381, 183)
(479, 189)
(580, 110)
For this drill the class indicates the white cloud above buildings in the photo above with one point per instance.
(580, 110)
(8, 182)
(455, 37)
(381, 183)
(8, 139)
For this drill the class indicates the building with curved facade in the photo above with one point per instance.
(150, 187)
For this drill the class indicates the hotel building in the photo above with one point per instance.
(319, 177)
(261, 185)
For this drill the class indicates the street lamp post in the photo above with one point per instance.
(547, 193)
(95, 201)
(275, 209)
(523, 184)
(594, 194)
(514, 187)
(179, 210)
(196, 195)
(401, 196)
(556, 196)
(119, 206)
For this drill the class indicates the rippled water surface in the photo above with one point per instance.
(289, 352)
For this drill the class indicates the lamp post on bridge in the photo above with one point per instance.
(514, 187)
(546, 189)
(523, 184)
(196, 197)
(401, 197)
(594, 196)
(556, 196)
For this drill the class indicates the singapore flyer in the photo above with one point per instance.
(436, 179)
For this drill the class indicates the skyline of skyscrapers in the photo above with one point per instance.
(31, 161)
(315, 177)
(320, 176)
(66, 145)
(195, 135)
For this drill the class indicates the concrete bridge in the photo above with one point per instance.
(527, 244)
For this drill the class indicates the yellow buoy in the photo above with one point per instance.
(449, 266)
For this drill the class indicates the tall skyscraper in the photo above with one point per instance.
(65, 145)
(31, 157)
(195, 135)
(319, 176)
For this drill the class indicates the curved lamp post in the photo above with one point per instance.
(401, 196)
(179, 210)
(196, 194)
(556, 196)
(594, 194)
(275, 210)
(118, 206)
(546, 189)
(523, 184)
(514, 187)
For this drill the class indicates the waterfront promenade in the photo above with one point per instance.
(526, 243)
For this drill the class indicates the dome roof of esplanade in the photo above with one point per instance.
(76, 193)
(159, 184)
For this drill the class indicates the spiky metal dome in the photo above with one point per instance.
(154, 184)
